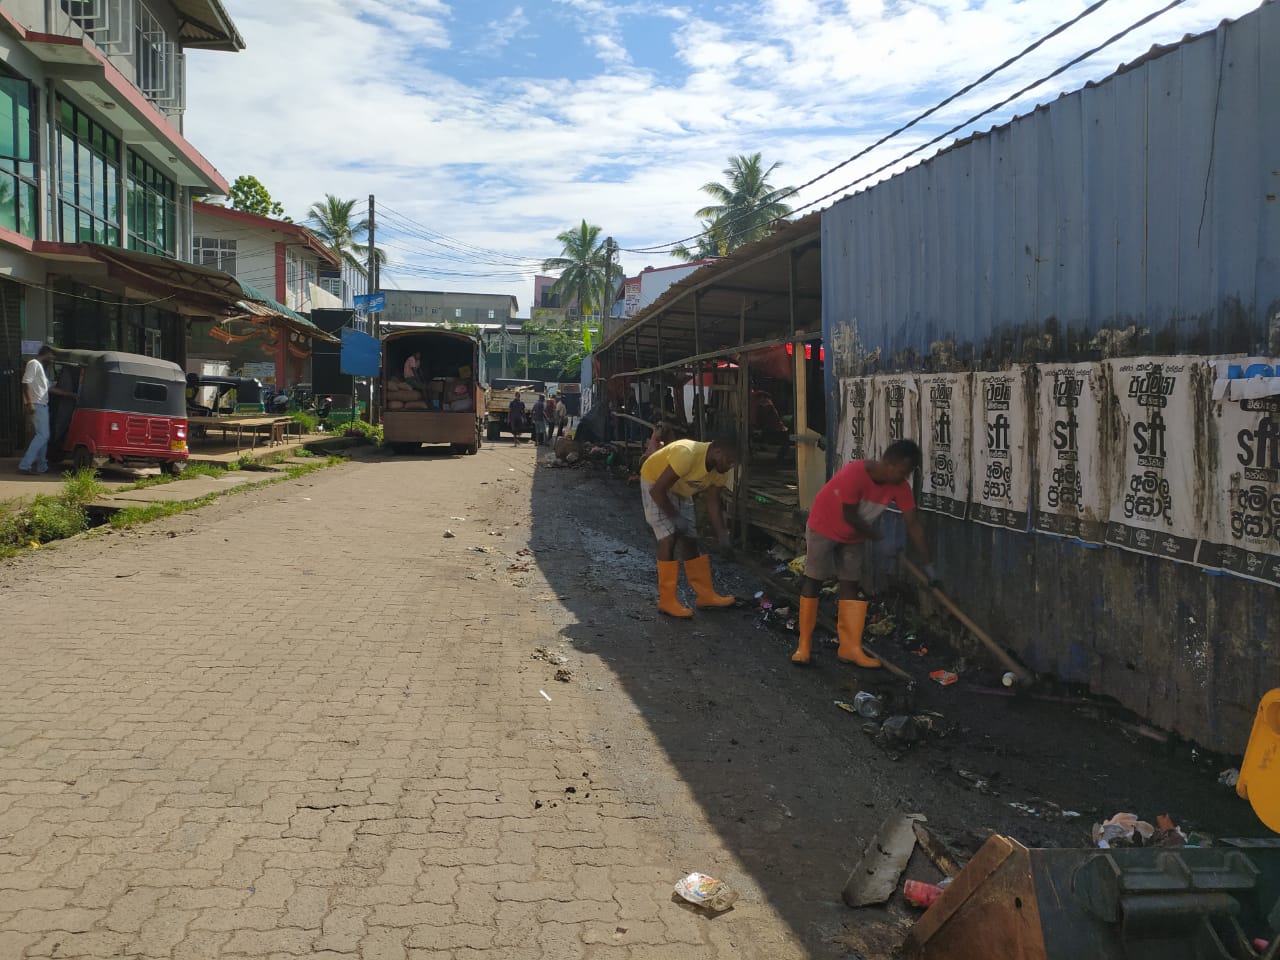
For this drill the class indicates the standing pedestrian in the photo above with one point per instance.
(562, 416)
(35, 398)
(669, 480)
(515, 418)
(845, 514)
(539, 416)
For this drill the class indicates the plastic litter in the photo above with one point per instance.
(1122, 830)
(944, 678)
(706, 892)
(1229, 778)
(920, 894)
(868, 704)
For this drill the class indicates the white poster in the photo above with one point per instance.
(854, 437)
(1157, 503)
(1001, 472)
(895, 411)
(1242, 518)
(945, 415)
(1072, 492)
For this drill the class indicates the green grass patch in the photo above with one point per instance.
(307, 420)
(50, 516)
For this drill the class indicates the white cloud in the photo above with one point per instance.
(351, 99)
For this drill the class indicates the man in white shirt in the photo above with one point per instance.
(35, 397)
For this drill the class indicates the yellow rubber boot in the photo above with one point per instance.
(668, 577)
(808, 620)
(698, 572)
(853, 617)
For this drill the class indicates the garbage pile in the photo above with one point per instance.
(612, 457)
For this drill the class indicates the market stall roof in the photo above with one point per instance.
(186, 288)
(750, 298)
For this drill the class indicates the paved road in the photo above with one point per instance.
(305, 722)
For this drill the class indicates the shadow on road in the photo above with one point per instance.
(792, 785)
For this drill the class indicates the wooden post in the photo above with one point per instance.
(742, 496)
(700, 407)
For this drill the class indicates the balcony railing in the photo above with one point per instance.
(128, 30)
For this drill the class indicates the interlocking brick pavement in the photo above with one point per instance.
(292, 725)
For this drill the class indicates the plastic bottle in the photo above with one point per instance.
(921, 894)
(868, 704)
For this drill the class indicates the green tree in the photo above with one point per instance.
(249, 194)
(582, 268)
(747, 204)
(563, 352)
(335, 224)
(710, 244)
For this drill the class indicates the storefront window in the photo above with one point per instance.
(153, 209)
(88, 180)
(18, 173)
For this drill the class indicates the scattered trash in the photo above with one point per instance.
(876, 876)
(977, 783)
(882, 627)
(706, 892)
(1009, 679)
(1229, 778)
(449, 534)
(563, 675)
(1042, 809)
(868, 704)
(920, 651)
(524, 552)
(478, 549)
(937, 851)
(944, 678)
(846, 707)
(920, 894)
(542, 653)
(458, 518)
(518, 568)
(545, 696)
(796, 566)
(1122, 830)
(901, 729)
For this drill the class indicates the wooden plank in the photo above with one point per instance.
(936, 850)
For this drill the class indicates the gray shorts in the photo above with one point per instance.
(664, 526)
(827, 559)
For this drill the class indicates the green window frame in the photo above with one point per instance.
(153, 209)
(19, 172)
(88, 179)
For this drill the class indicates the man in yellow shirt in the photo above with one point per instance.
(669, 480)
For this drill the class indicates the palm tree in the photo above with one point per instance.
(582, 266)
(710, 244)
(747, 204)
(333, 225)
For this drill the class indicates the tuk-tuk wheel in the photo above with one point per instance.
(175, 468)
(81, 459)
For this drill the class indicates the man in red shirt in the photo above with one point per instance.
(844, 515)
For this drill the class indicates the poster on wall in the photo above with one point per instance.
(1157, 501)
(1242, 517)
(854, 437)
(1001, 469)
(895, 411)
(944, 440)
(1072, 493)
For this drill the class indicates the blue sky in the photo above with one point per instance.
(496, 125)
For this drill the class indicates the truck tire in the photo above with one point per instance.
(81, 459)
(495, 431)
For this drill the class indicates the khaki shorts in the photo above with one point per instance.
(827, 559)
(662, 525)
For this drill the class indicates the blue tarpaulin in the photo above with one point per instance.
(361, 354)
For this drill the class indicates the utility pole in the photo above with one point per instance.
(373, 288)
(605, 305)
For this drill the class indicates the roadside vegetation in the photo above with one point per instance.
(51, 517)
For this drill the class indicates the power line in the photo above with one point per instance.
(968, 88)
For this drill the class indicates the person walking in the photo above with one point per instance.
(35, 398)
(515, 418)
(669, 480)
(845, 514)
(539, 416)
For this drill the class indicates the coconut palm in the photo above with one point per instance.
(710, 244)
(582, 268)
(747, 204)
(333, 224)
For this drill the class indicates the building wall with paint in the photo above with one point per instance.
(1135, 218)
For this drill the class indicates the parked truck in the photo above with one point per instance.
(433, 390)
(501, 393)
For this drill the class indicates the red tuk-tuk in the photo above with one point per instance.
(129, 409)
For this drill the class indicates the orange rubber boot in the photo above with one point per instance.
(853, 616)
(698, 572)
(808, 620)
(668, 577)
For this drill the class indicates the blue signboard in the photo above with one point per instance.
(370, 302)
(361, 354)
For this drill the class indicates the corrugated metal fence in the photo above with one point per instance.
(1138, 216)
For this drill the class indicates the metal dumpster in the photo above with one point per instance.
(1016, 903)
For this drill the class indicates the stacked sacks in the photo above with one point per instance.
(404, 396)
